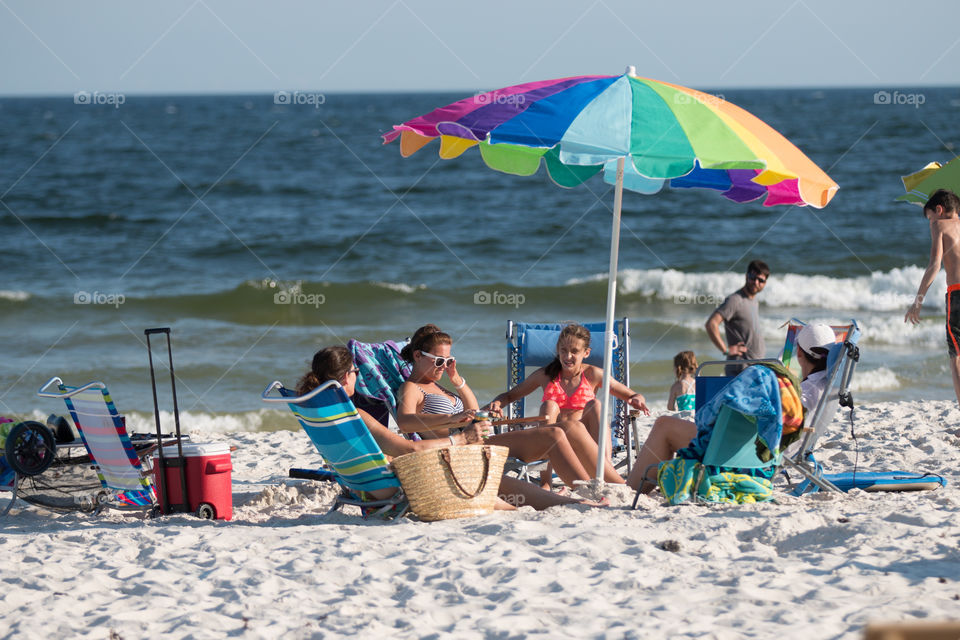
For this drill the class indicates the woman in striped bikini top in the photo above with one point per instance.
(424, 407)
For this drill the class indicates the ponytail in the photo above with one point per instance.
(330, 363)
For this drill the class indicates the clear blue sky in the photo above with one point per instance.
(238, 46)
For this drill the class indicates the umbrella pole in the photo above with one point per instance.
(604, 435)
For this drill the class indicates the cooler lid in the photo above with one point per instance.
(197, 449)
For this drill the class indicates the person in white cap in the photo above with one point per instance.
(813, 344)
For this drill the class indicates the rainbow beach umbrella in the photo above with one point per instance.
(641, 134)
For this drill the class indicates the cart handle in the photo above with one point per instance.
(43, 393)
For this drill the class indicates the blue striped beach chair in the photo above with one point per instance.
(346, 445)
(124, 482)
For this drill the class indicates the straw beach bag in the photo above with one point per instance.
(451, 482)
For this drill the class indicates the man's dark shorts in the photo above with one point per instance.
(953, 319)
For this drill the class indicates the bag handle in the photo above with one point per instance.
(445, 456)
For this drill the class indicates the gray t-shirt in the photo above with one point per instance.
(741, 322)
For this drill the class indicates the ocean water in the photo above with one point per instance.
(260, 232)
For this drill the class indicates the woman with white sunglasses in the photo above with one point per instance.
(425, 407)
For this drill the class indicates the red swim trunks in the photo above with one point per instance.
(953, 319)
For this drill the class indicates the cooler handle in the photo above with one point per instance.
(218, 467)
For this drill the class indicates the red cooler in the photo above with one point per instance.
(208, 479)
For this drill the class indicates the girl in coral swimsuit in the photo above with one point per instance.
(569, 392)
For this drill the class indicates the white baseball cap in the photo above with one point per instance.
(815, 335)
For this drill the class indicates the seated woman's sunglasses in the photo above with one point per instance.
(439, 361)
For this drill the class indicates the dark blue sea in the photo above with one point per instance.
(260, 232)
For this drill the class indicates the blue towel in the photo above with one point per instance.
(754, 392)
(382, 370)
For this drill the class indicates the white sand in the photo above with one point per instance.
(816, 567)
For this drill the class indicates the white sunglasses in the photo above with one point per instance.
(439, 361)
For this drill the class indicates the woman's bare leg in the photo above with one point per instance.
(586, 448)
(550, 411)
(667, 436)
(544, 442)
(519, 493)
(591, 420)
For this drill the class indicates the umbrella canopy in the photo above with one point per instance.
(920, 186)
(641, 134)
(580, 126)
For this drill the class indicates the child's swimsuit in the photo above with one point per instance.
(575, 402)
(686, 401)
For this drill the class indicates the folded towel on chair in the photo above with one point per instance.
(382, 370)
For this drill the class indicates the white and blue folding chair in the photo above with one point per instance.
(346, 445)
(124, 482)
(535, 345)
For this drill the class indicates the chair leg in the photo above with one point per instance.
(13, 494)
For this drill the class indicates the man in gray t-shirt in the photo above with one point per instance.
(741, 319)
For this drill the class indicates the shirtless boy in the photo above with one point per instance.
(941, 210)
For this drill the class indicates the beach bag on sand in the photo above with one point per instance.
(451, 482)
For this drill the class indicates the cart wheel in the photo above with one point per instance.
(205, 512)
(30, 448)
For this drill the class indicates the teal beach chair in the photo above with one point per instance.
(124, 482)
(535, 345)
(346, 445)
(736, 450)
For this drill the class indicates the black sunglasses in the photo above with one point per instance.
(756, 276)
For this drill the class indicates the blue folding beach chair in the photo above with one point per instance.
(346, 445)
(535, 345)
(124, 482)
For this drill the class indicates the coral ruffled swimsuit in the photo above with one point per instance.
(574, 402)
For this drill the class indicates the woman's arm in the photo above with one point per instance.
(617, 389)
(536, 379)
(393, 444)
(410, 420)
(462, 388)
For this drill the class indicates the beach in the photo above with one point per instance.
(820, 566)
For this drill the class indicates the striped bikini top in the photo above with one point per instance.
(440, 402)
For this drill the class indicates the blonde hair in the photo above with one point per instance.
(683, 363)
